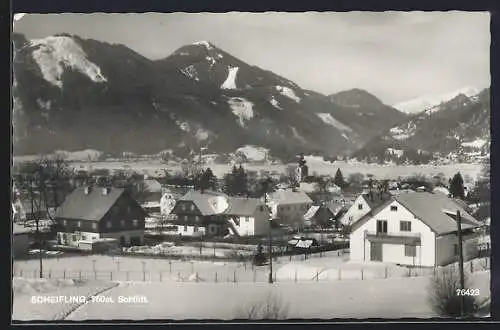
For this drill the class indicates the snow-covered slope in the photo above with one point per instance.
(427, 102)
(53, 54)
(230, 82)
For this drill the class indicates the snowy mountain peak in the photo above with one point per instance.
(423, 103)
(204, 43)
(54, 53)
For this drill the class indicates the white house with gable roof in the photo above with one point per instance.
(417, 229)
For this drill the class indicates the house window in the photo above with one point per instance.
(185, 228)
(185, 218)
(122, 223)
(73, 237)
(183, 207)
(191, 207)
(79, 224)
(108, 224)
(351, 218)
(247, 219)
(405, 226)
(360, 206)
(135, 222)
(129, 209)
(394, 208)
(65, 222)
(261, 208)
(381, 226)
(94, 225)
(197, 218)
(410, 250)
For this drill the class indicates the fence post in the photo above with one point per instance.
(317, 275)
(254, 276)
(127, 276)
(111, 275)
(178, 276)
(161, 275)
(80, 275)
(234, 276)
(472, 266)
(274, 276)
(215, 277)
(362, 275)
(21, 273)
(64, 274)
(295, 275)
(50, 273)
(95, 275)
(144, 276)
(170, 266)
(340, 274)
(385, 271)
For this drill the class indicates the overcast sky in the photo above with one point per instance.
(394, 55)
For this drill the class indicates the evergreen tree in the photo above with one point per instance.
(241, 181)
(457, 186)
(339, 179)
(207, 180)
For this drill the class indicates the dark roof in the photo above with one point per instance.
(93, 206)
(377, 199)
(202, 201)
(243, 206)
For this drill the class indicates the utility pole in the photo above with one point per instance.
(460, 262)
(270, 240)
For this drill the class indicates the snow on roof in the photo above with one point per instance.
(18, 229)
(203, 43)
(311, 212)
(290, 197)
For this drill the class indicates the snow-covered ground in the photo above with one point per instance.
(394, 298)
(288, 92)
(328, 119)
(230, 82)
(478, 143)
(242, 108)
(254, 153)
(24, 290)
(275, 103)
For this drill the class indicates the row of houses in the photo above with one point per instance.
(407, 227)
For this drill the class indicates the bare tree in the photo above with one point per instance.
(443, 294)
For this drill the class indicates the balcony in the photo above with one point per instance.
(398, 237)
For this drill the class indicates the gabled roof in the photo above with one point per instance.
(435, 210)
(243, 206)
(92, 207)
(289, 197)
(202, 201)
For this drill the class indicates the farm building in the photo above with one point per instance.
(323, 215)
(416, 228)
(92, 213)
(215, 214)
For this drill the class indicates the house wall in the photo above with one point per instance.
(445, 244)
(353, 214)
(261, 221)
(394, 253)
(292, 214)
(126, 234)
(73, 238)
(188, 230)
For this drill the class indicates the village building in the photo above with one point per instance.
(216, 214)
(324, 215)
(362, 205)
(91, 213)
(417, 229)
(289, 207)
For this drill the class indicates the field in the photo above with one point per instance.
(383, 298)
(379, 171)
